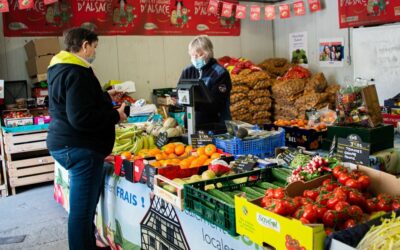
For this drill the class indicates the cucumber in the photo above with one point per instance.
(279, 175)
(287, 171)
(279, 184)
(258, 189)
(221, 196)
(266, 185)
(249, 190)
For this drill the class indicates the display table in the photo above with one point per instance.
(128, 215)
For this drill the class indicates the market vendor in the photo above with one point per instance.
(205, 67)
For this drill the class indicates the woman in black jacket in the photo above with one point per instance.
(82, 131)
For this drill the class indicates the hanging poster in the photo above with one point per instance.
(298, 48)
(331, 52)
(284, 11)
(368, 12)
(299, 8)
(119, 17)
(269, 12)
(240, 11)
(315, 5)
(226, 9)
(255, 13)
(25, 4)
(47, 2)
(213, 7)
(4, 6)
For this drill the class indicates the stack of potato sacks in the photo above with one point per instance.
(294, 92)
(250, 95)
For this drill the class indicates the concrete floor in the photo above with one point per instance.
(33, 212)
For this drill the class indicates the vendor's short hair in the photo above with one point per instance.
(202, 43)
(75, 37)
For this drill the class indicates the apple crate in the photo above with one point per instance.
(214, 210)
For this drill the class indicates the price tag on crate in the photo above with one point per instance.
(161, 139)
(200, 139)
(353, 149)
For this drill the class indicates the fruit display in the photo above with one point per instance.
(184, 156)
(169, 126)
(339, 203)
(301, 123)
(132, 139)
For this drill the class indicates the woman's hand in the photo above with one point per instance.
(121, 112)
(115, 94)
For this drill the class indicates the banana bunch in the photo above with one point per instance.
(132, 139)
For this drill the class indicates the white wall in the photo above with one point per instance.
(322, 24)
(150, 61)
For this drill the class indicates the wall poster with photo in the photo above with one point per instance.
(331, 52)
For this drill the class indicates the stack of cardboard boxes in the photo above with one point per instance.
(40, 52)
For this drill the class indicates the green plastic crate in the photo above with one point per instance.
(213, 210)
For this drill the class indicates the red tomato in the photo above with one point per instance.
(371, 205)
(396, 205)
(330, 218)
(328, 231)
(311, 194)
(280, 207)
(342, 206)
(270, 193)
(353, 184)
(338, 170)
(356, 212)
(364, 181)
(320, 212)
(384, 205)
(279, 193)
(343, 177)
(304, 221)
(297, 201)
(349, 223)
(310, 213)
(356, 198)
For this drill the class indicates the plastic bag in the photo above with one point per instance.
(350, 107)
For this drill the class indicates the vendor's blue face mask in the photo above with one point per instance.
(198, 63)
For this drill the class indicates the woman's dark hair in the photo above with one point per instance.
(74, 38)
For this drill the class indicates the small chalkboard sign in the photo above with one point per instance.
(245, 163)
(162, 139)
(353, 149)
(288, 155)
(200, 139)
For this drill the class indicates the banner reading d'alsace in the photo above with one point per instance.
(119, 17)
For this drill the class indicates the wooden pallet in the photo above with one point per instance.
(31, 168)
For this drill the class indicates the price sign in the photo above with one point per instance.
(200, 139)
(161, 139)
(288, 155)
(332, 149)
(353, 149)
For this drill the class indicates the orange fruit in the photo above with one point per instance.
(175, 161)
(191, 158)
(156, 164)
(126, 155)
(184, 164)
(200, 151)
(154, 151)
(210, 149)
(207, 162)
(172, 156)
(215, 156)
(169, 148)
(159, 157)
(188, 149)
(195, 163)
(201, 160)
(179, 149)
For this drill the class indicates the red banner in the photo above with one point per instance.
(315, 5)
(255, 13)
(25, 4)
(119, 17)
(240, 11)
(4, 6)
(360, 13)
(269, 12)
(284, 11)
(299, 8)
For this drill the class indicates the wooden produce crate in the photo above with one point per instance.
(27, 159)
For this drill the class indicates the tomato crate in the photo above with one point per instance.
(214, 210)
(262, 147)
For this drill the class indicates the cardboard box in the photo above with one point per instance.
(41, 47)
(167, 100)
(256, 222)
(38, 65)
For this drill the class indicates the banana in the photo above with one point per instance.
(145, 141)
(123, 141)
(139, 145)
(122, 147)
(129, 134)
(134, 147)
(152, 143)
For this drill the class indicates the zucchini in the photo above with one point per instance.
(258, 189)
(266, 185)
(279, 184)
(249, 190)
(221, 196)
(252, 196)
(280, 175)
(287, 171)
